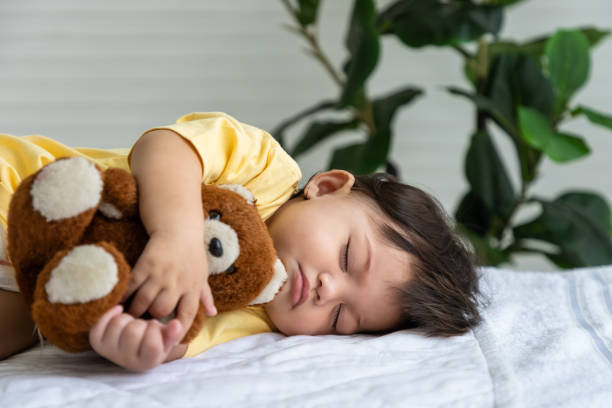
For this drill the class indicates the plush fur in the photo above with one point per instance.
(74, 235)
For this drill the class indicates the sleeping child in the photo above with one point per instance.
(363, 254)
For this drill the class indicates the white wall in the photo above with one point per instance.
(92, 73)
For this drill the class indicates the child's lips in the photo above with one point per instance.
(301, 287)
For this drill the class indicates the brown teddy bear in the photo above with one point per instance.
(74, 235)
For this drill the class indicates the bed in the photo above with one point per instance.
(546, 340)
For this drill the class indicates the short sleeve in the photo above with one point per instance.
(229, 326)
(232, 152)
(22, 156)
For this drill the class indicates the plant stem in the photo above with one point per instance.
(317, 52)
(315, 49)
(365, 115)
(462, 51)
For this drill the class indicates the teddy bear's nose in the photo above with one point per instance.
(215, 248)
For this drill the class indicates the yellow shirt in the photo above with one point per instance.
(231, 152)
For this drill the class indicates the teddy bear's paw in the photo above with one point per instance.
(86, 273)
(77, 287)
(120, 195)
(66, 188)
(273, 287)
(240, 190)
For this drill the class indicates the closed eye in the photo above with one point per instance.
(346, 256)
(345, 268)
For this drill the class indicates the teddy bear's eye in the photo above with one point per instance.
(214, 215)
(230, 270)
(215, 247)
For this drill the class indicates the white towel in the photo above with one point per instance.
(547, 337)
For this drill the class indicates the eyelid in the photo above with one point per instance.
(345, 258)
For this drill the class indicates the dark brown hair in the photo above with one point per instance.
(441, 297)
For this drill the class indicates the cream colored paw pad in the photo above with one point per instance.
(66, 188)
(110, 211)
(239, 189)
(86, 273)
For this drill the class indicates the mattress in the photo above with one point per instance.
(545, 341)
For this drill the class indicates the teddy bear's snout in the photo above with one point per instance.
(222, 246)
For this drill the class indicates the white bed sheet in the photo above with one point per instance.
(529, 352)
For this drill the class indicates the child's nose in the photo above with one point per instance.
(329, 287)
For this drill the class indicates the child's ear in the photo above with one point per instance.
(329, 182)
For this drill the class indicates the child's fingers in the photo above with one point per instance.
(144, 297)
(164, 303)
(114, 330)
(98, 329)
(186, 311)
(151, 348)
(207, 300)
(171, 334)
(131, 336)
(136, 280)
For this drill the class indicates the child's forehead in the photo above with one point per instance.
(384, 229)
(375, 215)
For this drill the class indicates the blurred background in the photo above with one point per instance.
(98, 74)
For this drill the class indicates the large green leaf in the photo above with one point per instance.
(473, 214)
(384, 108)
(487, 105)
(363, 45)
(535, 48)
(363, 158)
(594, 116)
(539, 133)
(516, 79)
(436, 22)
(487, 176)
(573, 223)
(591, 204)
(279, 131)
(350, 158)
(319, 131)
(487, 254)
(307, 12)
(564, 147)
(535, 128)
(567, 53)
(528, 157)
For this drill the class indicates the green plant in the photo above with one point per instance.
(524, 89)
(373, 117)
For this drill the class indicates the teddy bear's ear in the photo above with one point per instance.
(272, 288)
(242, 190)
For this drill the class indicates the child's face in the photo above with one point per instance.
(311, 238)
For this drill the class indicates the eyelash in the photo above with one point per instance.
(346, 253)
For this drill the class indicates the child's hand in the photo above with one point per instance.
(172, 273)
(132, 343)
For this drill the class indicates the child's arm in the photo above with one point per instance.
(172, 271)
